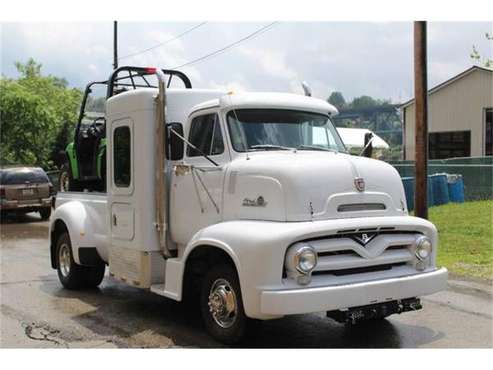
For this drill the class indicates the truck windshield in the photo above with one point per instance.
(279, 129)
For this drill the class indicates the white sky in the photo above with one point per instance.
(356, 58)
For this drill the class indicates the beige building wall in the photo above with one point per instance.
(458, 106)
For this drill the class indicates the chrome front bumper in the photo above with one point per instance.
(300, 301)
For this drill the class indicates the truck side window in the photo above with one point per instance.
(121, 156)
(205, 134)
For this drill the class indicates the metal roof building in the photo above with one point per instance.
(460, 117)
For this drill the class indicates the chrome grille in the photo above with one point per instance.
(343, 255)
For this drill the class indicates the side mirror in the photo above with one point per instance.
(175, 148)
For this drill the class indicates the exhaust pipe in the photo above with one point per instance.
(161, 192)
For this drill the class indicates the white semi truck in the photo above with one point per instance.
(248, 203)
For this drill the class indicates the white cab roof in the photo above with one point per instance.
(269, 100)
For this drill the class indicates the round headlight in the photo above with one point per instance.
(423, 248)
(305, 259)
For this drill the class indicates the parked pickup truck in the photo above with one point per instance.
(246, 204)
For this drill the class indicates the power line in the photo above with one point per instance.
(164, 42)
(223, 49)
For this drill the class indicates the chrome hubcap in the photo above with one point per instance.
(222, 303)
(64, 259)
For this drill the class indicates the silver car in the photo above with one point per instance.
(25, 189)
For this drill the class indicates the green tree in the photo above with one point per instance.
(337, 100)
(476, 55)
(36, 112)
(364, 101)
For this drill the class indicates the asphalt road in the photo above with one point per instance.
(36, 312)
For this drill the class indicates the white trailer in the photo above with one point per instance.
(249, 203)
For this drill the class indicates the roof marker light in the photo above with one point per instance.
(150, 70)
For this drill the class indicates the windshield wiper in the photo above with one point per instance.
(314, 147)
(270, 147)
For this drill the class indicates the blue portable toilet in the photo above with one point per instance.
(408, 183)
(439, 185)
(456, 188)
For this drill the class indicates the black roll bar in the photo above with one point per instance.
(83, 108)
(141, 72)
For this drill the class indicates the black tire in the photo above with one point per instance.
(235, 330)
(71, 275)
(66, 181)
(94, 275)
(45, 213)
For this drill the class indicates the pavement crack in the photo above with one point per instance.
(43, 333)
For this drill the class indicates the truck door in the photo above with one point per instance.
(122, 183)
(197, 194)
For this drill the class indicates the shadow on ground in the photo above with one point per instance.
(142, 319)
(20, 218)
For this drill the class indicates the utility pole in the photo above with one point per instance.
(115, 45)
(421, 119)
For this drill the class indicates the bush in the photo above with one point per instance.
(36, 112)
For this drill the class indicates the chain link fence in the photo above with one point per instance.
(477, 173)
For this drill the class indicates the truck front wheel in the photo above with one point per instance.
(71, 275)
(222, 305)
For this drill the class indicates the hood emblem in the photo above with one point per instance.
(259, 202)
(359, 183)
(364, 238)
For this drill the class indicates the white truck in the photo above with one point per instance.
(248, 203)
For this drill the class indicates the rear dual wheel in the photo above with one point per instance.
(74, 276)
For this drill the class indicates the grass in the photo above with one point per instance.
(465, 237)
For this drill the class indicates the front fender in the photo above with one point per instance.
(258, 257)
(79, 226)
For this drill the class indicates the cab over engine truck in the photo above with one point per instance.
(248, 202)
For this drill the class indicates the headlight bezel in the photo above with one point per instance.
(297, 259)
(423, 243)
